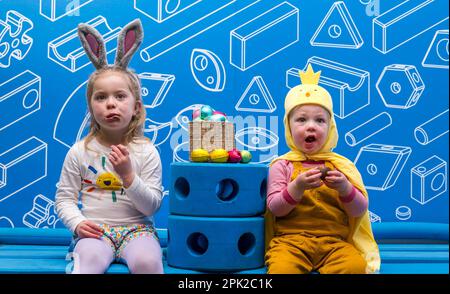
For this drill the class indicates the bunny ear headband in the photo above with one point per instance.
(128, 42)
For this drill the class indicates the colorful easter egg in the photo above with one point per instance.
(199, 155)
(234, 156)
(217, 118)
(246, 156)
(219, 155)
(205, 111)
(195, 113)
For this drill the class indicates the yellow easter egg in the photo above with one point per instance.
(199, 155)
(219, 155)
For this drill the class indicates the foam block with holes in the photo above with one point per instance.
(215, 244)
(217, 190)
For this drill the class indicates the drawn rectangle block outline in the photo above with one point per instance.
(186, 33)
(277, 18)
(166, 81)
(50, 8)
(157, 13)
(357, 81)
(402, 152)
(421, 171)
(74, 56)
(26, 150)
(12, 88)
(406, 21)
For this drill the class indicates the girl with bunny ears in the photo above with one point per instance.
(115, 169)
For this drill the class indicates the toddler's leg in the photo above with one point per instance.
(92, 256)
(343, 258)
(143, 255)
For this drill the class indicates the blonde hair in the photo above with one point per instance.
(135, 127)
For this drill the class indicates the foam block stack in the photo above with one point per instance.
(215, 221)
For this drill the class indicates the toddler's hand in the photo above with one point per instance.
(121, 162)
(88, 229)
(309, 179)
(338, 181)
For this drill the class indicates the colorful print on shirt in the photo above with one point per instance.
(105, 181)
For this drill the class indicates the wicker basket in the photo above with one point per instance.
(210, 135)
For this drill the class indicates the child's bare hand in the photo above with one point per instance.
(309, 179)
(120, 159)
(337, 181)
(88, 229)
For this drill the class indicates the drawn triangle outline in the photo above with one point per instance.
(337, 21)
(256, 97)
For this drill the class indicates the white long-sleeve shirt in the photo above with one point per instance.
(78, 183)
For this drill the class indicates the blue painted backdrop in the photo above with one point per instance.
(385, 62)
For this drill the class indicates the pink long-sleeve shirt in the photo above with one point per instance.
(280, 202)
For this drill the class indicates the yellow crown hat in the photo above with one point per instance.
(309, 92)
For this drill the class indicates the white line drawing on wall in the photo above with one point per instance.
(380, 165)
(73, 118)
(437, 54)
(55, 9)
(400, 86)
(14, 41)
(337, 29)
(20, 96)
(184, 116)
(432, 129)
(5, 222)
(162, 10)
(154, 87)
(201, 25)
(257, 139)
(349, 86)
(403, 212)
(367, 129)
(256, 97)
(208, 70)
(181, 152)
(42, 213)
(374, 218)
(429, 179)
(67, 51)
(157, 132)
(406, 21)
(22, 166)
(260, 38)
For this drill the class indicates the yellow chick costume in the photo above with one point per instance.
(309, 92)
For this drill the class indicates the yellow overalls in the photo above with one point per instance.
(312, 236)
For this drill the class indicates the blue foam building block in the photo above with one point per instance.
(215, 244)
(218, 190)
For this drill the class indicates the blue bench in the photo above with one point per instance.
(419, 248)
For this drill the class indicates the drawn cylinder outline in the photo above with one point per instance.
(432, 129)
(368, 129)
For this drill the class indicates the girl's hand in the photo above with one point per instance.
(88, 229)
(121, 162)
(338, 181)
(309, 179)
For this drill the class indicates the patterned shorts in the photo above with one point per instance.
(119, 236)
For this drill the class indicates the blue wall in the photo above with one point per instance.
(240, 57)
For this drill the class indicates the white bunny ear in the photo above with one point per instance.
(129, 40)
(93, 44)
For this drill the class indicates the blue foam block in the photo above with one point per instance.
(208, 189)
(216, 244)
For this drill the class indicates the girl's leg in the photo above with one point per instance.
(143, 255)
(92, 256)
